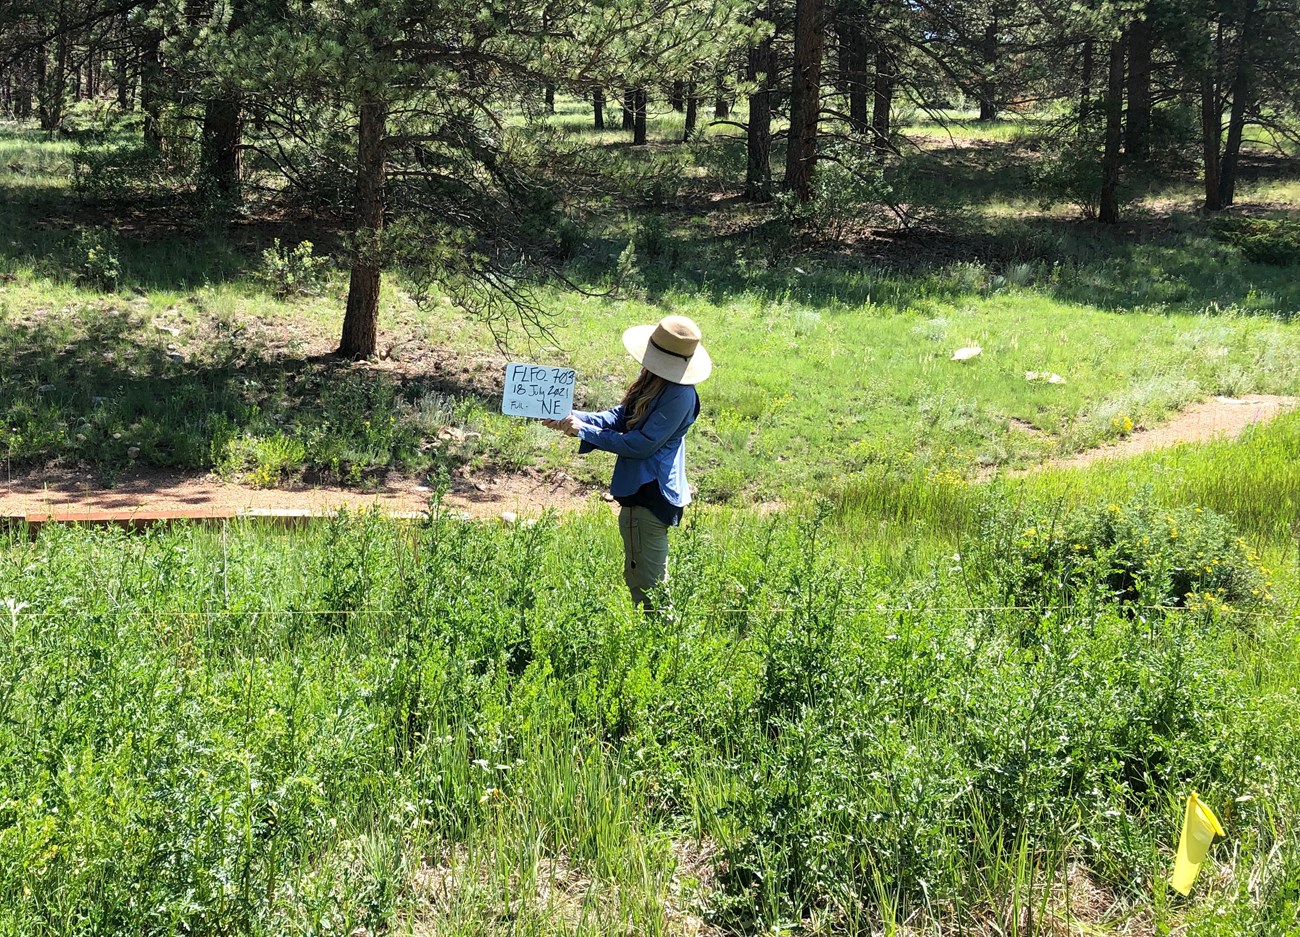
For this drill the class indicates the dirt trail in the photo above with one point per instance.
(160, 490)
(1219, 417)
(525, 494)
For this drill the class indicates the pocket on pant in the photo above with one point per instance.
(630, 533)
(634, 533)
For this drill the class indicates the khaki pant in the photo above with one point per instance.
(645, 552)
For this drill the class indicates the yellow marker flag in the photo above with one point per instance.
(1200, 826)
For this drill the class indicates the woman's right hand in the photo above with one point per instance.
(569, 425)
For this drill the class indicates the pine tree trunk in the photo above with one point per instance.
(988, 84)
(840, 17)
(42, 78)
(638, 118)
(23, 94)
(882, 97)
(1109, 209)
(692, 111)
(1241, 90)
(1211, 134)
(721, 106)
(122, 78)
(52, 88)
(1085, 84)
(758, 132)
(361, 320)
(222, 135)
(598, 108)
(805, 98)
(1137, 127)
(151, 91)
(855, 56)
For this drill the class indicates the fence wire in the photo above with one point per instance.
(1284, 615)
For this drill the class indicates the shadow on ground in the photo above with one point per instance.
(1170, 261)
(102, 388)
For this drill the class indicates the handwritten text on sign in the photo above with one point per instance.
(538, 391)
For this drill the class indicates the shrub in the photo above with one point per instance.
(628, 278)
(293, 271)
(116, 171)
(1137, 554)
(651, 236)
(851, 191)
(263, 461)
(1272, 241)
(1175, 136)
(98, 265)
(570, 239)
(1070, 170)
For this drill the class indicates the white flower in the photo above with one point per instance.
(14, 607)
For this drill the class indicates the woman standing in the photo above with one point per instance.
(647, 431)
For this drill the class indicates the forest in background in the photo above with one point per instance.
(420, 133)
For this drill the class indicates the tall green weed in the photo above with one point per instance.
(370, 724)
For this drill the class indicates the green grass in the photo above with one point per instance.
(1254, 481)
(828, 367)
(434, 729)
(966, 127)
(194, 385)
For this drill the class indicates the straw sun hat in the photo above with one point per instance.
(670, 349)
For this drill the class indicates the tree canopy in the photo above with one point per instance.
(406, 123)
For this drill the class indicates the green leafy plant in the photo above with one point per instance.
(117, 170)
(628, 275)
(1274, 241)
(98, 265)
(852, 191)
(1134, 553)
(293, 271)
(262, 461)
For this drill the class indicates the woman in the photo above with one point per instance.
(647, 431)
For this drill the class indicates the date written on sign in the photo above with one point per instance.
(539, 391)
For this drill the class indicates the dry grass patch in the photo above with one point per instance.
(473, 890)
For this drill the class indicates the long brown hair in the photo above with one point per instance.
(641, 393)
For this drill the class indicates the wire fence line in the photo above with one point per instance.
(1284, 615)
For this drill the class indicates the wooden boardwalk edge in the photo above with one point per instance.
(142, 518)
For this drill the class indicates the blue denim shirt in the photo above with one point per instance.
(653, 451)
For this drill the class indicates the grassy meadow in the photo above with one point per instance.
(440, 729)
(184, 353)
(933, 695)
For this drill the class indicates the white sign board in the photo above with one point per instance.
(538, 391)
